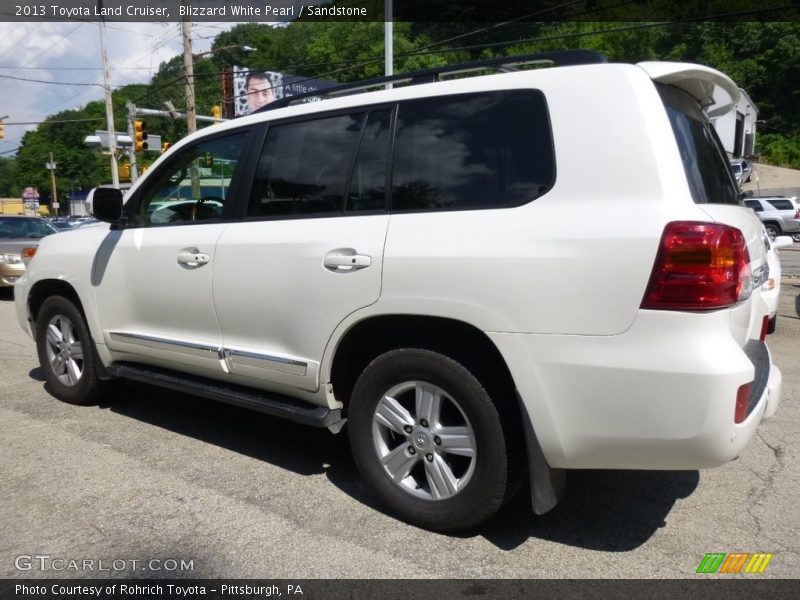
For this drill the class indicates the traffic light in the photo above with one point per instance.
(165, 146)
(140, 136)
(124, 171)
(216, 111)
(2, 130)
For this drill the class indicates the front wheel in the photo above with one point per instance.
(66, 352)
(428, 440)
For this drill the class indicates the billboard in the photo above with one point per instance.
(254, 88)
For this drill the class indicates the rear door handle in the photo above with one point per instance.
(345, 260)
(192, 258)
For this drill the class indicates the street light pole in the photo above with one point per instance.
(109, 108)
(186, 26)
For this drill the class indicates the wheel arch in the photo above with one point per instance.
(374, 335)
(46, 288)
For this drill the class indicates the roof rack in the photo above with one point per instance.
(557, 58)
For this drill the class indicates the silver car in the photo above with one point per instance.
(16, 233)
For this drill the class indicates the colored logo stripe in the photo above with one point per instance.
(758, 563)
(711, 562)
(721, 562)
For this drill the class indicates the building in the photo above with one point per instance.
(737, 127)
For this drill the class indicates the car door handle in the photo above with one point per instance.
(346, 260)
(192, 258)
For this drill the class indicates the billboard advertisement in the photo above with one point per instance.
(254, 88)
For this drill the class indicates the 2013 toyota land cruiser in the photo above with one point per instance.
(449, 267)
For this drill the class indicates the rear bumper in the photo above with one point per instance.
(660, 396)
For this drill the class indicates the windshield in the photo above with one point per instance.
(708, 171)
(31, 228)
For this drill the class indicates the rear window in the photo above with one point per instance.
(704, 160)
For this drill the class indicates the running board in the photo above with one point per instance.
(266, 402)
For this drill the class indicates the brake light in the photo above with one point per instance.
(764, 328)
(797, 214)
(699, 266)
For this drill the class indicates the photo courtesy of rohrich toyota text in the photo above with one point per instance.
(353, 299)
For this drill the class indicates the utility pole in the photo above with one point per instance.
(109, 108)
(52, 168)
(388, 41)
(131, 116)
(186, 25)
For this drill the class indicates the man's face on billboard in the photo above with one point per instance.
(259, 92)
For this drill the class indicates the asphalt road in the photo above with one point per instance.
(160, 475)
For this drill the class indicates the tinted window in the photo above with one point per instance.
(472, 151)
(368, 183)
(782, 204)
(707, 168)
(193, 186)
(304, 166)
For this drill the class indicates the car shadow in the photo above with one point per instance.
(601, 510)
(6, 294)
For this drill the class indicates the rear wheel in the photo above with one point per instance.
(66, 352)
(428, 440)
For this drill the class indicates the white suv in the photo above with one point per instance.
(454, 268)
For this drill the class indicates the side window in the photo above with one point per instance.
(304, 166)
(485, 150)
(193, 186)
(368, 183)
(782, 204)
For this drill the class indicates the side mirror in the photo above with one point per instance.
(105, 204)
(782, 241)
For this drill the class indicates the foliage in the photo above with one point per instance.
(779, 150)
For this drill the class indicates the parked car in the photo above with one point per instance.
(446, 269)
(772, 288)
(777, 221)
(742, 170)
(18, 232)
(787, 204)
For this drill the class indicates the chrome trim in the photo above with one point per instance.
(266, 361)
(156, 343)
(760, 275)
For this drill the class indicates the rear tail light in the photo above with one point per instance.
(742, 402)
(699, 266)
(797, 214)
(764, 328)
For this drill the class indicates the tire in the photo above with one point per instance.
(772, 324)
(773, 230)
(66, 353)
(796, 237)
(429, 441)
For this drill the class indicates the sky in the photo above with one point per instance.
(62, 53)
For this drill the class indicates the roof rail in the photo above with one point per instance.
(557, 58)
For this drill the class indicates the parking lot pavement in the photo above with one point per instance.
(159, 475)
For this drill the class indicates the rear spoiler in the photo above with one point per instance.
(715, 91)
